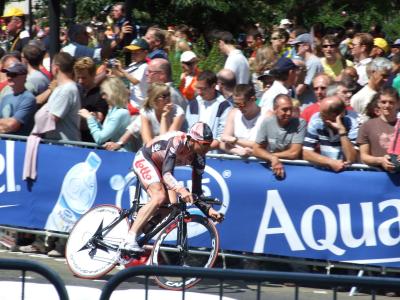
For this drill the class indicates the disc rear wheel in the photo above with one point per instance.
(86, 257)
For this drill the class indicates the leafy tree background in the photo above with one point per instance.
(237, 16)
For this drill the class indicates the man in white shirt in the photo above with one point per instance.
(209, 106)
(284, 73)
(236, 61)
(378, 70)
(361, 47)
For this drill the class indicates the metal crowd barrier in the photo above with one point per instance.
(32, 266)
(372, 284)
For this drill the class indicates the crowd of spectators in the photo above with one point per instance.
(286, 93)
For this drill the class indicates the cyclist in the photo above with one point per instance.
(154, 165)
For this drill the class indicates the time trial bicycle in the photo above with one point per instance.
(177, 235)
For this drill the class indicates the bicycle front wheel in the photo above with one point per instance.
(85, 257)
(191, 243)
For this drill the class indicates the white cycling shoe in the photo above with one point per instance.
(131, 247)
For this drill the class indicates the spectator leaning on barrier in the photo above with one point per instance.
(280, 136)
(333, 131)
(242, 123)
(91, 100)
(115, 93)
(64, 101)
(18, 108)
(375, 134)
(378, 71)
(15, 20)
(6, 61)
(209, 107)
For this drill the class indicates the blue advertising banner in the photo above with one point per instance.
(352, 216)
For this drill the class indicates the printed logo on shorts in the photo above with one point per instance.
(144, 171)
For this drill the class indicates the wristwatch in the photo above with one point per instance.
(120, 143)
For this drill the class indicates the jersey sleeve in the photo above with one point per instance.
(169, 165)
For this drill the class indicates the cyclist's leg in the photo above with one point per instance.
(158, 197)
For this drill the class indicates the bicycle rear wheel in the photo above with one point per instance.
(84, 257)
(197, 248)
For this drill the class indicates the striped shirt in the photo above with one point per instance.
(320, 136)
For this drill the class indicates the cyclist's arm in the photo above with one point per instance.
(168, 170)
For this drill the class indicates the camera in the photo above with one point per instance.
(112, 63)
(395, 162)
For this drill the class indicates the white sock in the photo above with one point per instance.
(131, 238)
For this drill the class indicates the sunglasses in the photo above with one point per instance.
(329, 46)
(165, 96)
(12, 75)
(188, 63)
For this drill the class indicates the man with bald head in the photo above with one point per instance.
(320, 87)
(159, 70)
(330, 140)
(226, 83)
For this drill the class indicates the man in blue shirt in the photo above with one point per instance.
(17, 109)
(330, 140)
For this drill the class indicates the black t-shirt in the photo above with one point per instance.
(93, 102)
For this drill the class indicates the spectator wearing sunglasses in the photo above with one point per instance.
(159, 115)
(242, 123)
(333, 62)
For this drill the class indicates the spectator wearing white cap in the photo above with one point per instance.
(187, 86)
(394, 48)
(285, 24)
(236, 61)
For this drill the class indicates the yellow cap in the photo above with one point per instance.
(13, 12)
(381, 43)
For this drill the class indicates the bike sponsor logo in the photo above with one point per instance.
(7, 169)
(337, 226)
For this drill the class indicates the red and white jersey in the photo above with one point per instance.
(155, 162)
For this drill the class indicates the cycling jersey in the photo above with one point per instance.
(155, 162)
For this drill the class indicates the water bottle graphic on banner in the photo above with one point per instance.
(77, 194)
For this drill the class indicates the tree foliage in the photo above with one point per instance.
(237, 16)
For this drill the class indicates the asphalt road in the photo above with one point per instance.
(83, 289)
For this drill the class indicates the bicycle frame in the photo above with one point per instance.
(178, 209)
